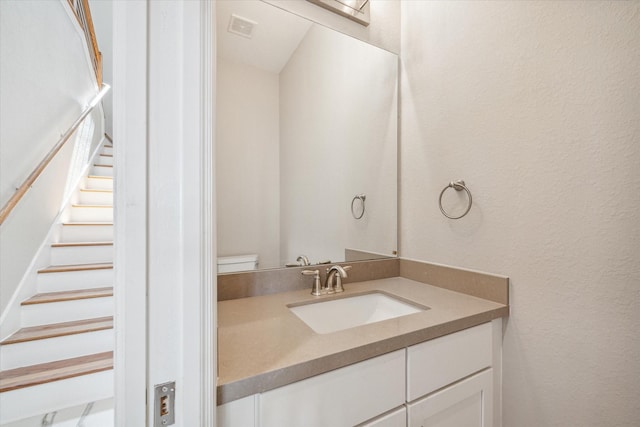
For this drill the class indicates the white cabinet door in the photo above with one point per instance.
(344, 397)
(239, 413)
(397, 418)
(465, 404)
(434, 364)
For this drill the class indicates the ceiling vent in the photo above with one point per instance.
(241, 26)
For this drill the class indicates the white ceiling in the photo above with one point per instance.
(276, 35)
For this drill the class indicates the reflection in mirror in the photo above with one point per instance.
(306, 121)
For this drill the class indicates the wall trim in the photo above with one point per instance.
(208, 254)
(130, 77)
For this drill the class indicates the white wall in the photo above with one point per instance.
(46, 80)
(536, 105)
(102, 15)
(247, 163)
(37, 107)
(337, 140)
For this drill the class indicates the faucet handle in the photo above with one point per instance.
(316, 290)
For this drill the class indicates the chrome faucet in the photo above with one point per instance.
(303, 260)
(335, 274)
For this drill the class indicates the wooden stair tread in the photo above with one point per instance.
(106, 155)
(95, 190)
(80, 294)
(100, 177)
(92, 206)
(53, 330)
(76, 244)
(102, 166)
(76, 267)
(78, 223)
(54, 371)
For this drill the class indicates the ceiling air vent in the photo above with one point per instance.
(241, 26)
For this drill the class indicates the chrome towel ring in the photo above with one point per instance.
(362, 198)
(458, 186)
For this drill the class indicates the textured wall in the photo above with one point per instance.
(537, 106)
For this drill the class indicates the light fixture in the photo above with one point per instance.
(356, 10)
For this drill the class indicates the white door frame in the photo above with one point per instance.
(164, 208)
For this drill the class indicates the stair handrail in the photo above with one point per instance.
(83, 14)
(28, 183)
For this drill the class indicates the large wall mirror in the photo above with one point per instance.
(306, 121)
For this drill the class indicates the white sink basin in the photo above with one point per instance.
(337, 314)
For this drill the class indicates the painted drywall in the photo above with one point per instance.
(536, 106)
(46, 80)
(39, 107)
(383, 31)
(102, 15)
(338, 128)
(247, 162)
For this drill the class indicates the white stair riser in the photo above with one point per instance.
(104, 160)
(96, 198)
(70, 255)
(106, 150)
(100, 183)
(91, 214)
(73, 280)
(101, 171)
(41, 399)
(52, 349)
(86, 233)
(65, 311)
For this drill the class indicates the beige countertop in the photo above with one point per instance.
(262, 345)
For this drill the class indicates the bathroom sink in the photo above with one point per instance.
(343, 313)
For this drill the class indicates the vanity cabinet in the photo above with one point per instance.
(433, 365)
(449, 381)
(464, 404)
(343, 397)
(396, 418)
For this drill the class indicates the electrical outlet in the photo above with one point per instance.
(165, 396)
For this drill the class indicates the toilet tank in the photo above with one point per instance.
(229, 264)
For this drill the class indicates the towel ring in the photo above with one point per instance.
(362, 198)
(458, 186)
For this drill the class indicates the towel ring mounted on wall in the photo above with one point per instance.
(458, 186)
(362, 198)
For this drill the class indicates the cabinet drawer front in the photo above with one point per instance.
(464, 404)
(397, 418)
(344, 397)
(434, 364)
(239, 413)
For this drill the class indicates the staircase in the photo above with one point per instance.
(63, 354)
